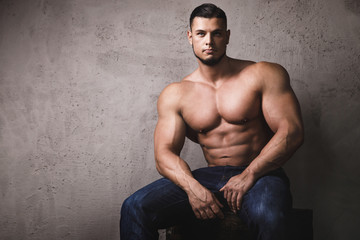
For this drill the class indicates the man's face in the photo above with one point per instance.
(209, 37)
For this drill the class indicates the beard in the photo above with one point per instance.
(211, 61)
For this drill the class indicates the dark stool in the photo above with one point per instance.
(231, 228)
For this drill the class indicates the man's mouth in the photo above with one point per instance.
(209, 51)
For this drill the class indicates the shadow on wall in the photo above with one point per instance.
(353, 6)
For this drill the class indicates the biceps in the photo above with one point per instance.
(281, 109)
(170, 134)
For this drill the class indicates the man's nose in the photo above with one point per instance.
(209, 39)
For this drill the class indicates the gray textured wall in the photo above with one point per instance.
(79, 82)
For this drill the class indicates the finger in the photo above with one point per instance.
(217, 211)
(228, 198)
(197, 214)
(210, 214)
(238, 202)
(223, 188)
(234, 202)
(227, 194)
(203, 215)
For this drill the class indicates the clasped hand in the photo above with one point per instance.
(235, 189)
(204, 204)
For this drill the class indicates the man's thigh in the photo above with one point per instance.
(164, 202)
(268, 200)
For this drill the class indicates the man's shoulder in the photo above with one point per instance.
(255, 70)
(172, 93)
(172, 90)
(266, 73)
(269, 67)
(169, 98)
(175, 88)
(262, 67)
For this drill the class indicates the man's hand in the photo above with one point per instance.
(235, 189)
(204, 203)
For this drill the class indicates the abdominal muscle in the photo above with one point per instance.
(234, 144)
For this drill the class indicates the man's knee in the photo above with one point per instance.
(270, 204)
(271, 218)
(136, 221)
(134, 204)
(127, 204)
(268, 217)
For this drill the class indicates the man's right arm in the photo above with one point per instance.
(169, 139)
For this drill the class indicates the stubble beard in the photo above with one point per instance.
(211, 61)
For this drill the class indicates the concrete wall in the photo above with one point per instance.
(79, 82)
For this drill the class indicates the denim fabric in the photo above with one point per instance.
(265, 207)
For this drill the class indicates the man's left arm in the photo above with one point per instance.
(282, 113)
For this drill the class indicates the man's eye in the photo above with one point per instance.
(200, 34)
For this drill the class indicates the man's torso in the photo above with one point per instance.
(226, 120)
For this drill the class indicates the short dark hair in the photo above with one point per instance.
(208, 10)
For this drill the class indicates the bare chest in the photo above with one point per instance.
(204, 108)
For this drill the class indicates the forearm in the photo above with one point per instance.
(277, 151)
(204, 203)
(176, 170)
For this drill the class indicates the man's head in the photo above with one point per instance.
(208, 34)
(208, 10)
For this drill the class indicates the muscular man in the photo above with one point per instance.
(247, 121)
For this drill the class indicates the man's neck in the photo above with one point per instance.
(215, 74)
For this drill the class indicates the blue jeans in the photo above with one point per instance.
(161, 204)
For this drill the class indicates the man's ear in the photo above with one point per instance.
(189, 35)
(228, 36)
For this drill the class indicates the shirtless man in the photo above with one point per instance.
(247, 120)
